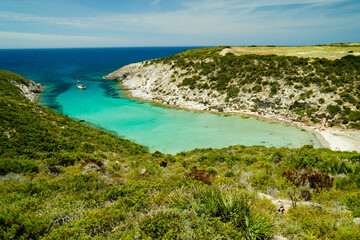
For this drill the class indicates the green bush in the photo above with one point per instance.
(17, 224)
(61, 159)
(100, 221)
(257, 88)
(348, 98)
(354, 116)
(17, 166)
(352, 201)
(316, 223)
(212, 171)
(232, 92)
(333, 110)
(163, 225)
(85, 182)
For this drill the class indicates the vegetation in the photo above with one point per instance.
(61, 179)
(317, 88)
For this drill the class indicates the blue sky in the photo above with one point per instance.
(111, 23)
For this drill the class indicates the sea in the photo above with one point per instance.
(104, 105)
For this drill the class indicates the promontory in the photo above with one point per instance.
(316, 86)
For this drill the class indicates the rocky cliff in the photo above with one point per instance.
(315, 91)
(28, 89)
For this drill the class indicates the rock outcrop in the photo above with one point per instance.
(156, 82)
(29, 89)
(290, 89)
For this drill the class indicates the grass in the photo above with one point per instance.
(332, 51)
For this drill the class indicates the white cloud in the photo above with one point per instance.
(47, 37)
(197, 19)
(24, 40)
(245, 4)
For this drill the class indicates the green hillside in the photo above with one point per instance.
(61, 179)
(310, 89)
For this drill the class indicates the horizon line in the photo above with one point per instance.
(195, 46)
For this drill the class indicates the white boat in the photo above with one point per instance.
(80, 83)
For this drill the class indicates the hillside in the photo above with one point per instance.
(330, 51)
(311, 90)
(61, 179)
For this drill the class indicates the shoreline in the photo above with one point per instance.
(152, 84)
(332, 138)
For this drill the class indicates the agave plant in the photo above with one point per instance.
(227, 204)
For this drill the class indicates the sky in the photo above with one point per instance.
(141, 23)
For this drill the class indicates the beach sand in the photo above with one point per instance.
(339, 140)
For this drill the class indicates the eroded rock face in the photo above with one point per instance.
(163, 83)
(29, 89)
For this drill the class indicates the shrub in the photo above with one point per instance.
(85, 182)
(354, 116)
(99, 221)
(232, 91)
(163, 225)
(352, 201)
(315, 179)
(333, 110)
(229, 174)
(17, 166)
(348, 98)
(355, 125)
(212, 171)
(62, 159)
(93, 225)
(273, 90)
(315, 223)
(257, 88)
(199, 175)
(17, 224)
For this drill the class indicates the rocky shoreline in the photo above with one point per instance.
(29, 89)
(156, 83)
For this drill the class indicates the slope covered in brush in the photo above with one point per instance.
(321, 90)
(60, 179)
(32, 132)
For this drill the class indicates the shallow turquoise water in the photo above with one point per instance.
(164, 129)
(172, 130)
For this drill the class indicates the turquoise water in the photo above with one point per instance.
(172, 130)
(102, 104)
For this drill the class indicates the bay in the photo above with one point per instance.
(103, 105)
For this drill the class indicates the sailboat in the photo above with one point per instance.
(80, 83)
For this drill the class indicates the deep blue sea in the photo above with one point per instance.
(103, 105)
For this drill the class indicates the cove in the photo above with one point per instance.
(164, 129)
(172, 130)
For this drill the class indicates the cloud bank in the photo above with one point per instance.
(204, 22)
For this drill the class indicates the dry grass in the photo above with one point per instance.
(326, 51)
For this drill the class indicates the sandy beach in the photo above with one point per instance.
(335, 139)
(339, 140)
